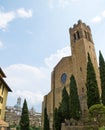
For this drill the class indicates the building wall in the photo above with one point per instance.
(4, 96)
(4, 89)
(3, 99)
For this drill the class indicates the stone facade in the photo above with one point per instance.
(76, 64)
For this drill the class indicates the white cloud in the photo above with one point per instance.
(1, 45)
(7, 17)
(33, 98)
(27, 82)
(103, 13)
(23, 13)
(24, 76)
(96, 19)
(31, 82)
(53, 59)
(64, 3)
(99, 18)
(60, 3)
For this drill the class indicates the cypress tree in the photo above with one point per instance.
(24, 121)
(91, 84)
(65, 104)
(57, 119)
(75, 109)
(102, 76)
(46, 120)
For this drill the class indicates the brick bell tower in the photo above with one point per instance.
(81, 45)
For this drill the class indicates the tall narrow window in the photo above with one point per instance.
(78, 35)
(81, 69)
(74, 37)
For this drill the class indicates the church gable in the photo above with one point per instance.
(63, 70)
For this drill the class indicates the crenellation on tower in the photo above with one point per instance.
(80, 30)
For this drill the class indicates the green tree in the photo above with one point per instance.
(75, 109)
(97, 113)
(64, 106)
(18, 127)
(102, 76)
(46, 120)
(57, 119)
(91, 84)
(24, 121)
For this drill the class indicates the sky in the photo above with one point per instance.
(34, 36)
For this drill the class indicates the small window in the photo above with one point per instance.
(84, 110)
(82, 90)
(81, 69)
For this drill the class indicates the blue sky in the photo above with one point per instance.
(34, 36)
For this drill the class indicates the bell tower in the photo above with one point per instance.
(81, 45)
(80, 30)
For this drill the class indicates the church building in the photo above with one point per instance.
(76, 64)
